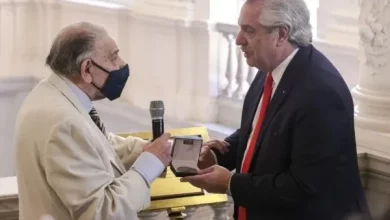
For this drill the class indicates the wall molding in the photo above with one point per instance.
(13, 85)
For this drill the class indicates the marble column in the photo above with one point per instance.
(372, 99)
(372, 94)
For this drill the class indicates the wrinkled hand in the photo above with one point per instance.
(206, 157)
(161, 148)
(214, 179)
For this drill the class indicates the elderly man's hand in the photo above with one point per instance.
(214, 179)
(161, 148)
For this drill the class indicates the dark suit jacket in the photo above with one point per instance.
(305, 163)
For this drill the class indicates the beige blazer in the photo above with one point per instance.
(67, 168)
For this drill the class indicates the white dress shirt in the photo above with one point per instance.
(147, 164)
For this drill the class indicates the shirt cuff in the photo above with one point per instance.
(228, 191)
(149, 166)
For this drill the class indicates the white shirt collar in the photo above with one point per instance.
(83, 98)
(278, 72)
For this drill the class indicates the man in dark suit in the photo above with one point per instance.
(294, 154)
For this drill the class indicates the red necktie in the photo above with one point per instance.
(252, 145)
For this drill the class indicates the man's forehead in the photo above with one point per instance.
(106, 46)
(250, 13)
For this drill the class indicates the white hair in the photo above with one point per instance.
(72, 45)
(291, 13)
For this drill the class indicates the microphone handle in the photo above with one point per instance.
(158, 130)
(157, 127)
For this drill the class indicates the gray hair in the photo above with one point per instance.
(71, 46)
(292, 13)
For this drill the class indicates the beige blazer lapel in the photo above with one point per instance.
(62, 86)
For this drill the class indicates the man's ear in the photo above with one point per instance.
(283, 32)
(85, 70)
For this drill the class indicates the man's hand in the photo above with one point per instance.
(221, 146)
(161, 148)
(214, 179)
(206, 157)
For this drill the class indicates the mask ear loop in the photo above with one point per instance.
(100, 89)
(94, 63)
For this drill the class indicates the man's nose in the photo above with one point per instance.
(240, 40)
(121, 62)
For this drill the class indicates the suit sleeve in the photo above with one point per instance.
(128, 149)
(79, 178)
(228, 160)
(318, 142)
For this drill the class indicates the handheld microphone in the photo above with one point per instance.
(157, 110)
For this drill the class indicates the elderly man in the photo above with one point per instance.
(295, 152)
(68, 165)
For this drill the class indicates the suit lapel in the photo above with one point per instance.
(293, 74)
(61, 85)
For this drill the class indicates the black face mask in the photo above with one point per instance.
(116, 81)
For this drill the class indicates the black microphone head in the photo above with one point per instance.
(157, 109)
